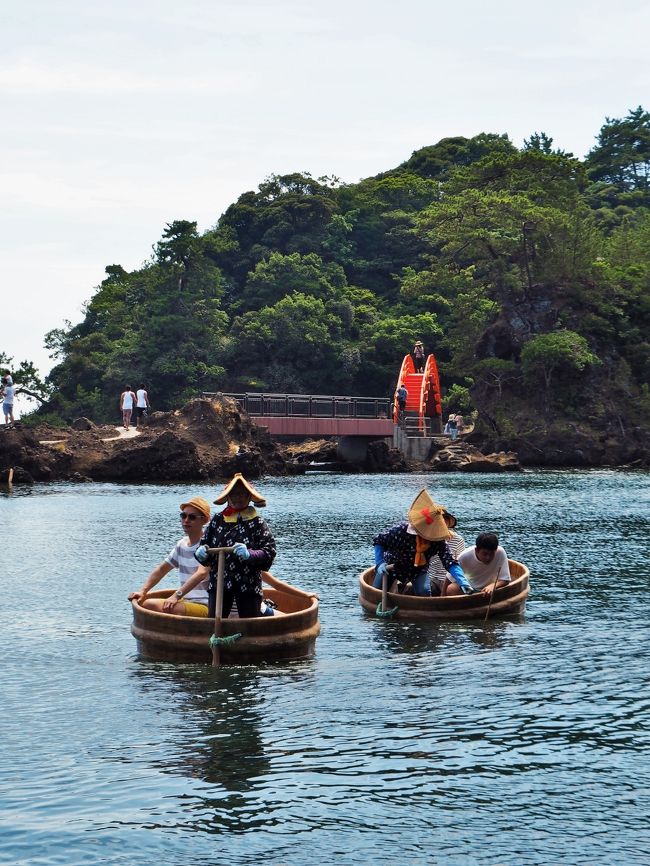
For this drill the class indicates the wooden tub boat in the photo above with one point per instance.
(290, 634)
(508, 599)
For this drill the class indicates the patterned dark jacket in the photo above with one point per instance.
(399, 549)
(241, 575)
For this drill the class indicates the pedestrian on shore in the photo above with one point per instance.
(127, 403)
(142, 405)
(8, 392)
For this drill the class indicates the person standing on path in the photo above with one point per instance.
(142, 405)
(127, 403)
(8, 392)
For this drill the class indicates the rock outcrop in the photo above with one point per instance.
(459, 456)
(205, 439)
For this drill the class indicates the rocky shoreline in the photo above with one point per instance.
(210, 439)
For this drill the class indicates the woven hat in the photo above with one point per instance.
(200, 504)
(426, 517)
(238, 478)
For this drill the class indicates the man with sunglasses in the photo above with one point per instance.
(195, 513)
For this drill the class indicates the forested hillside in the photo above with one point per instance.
(526, 271)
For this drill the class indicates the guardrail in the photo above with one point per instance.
(310, 405)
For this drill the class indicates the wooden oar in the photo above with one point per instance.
(494, 586)
(221, 564)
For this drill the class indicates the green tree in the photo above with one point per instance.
(549, 355)
(622, 155)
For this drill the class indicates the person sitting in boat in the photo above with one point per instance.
(438, 574)
(238, 526)
(485, 564)
(411, 545)
(194, 514)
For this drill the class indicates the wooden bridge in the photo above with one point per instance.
(299, 416)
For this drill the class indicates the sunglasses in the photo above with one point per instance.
(185, 516)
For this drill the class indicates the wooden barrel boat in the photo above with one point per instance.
(508, 599)
(290, 634)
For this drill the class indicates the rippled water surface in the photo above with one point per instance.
(524, 741)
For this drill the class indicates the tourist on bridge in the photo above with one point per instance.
(406, 549)
(238, 526)
(402, 397)
(418, 357)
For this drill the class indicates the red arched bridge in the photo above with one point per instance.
(317, 415)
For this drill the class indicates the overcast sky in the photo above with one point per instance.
(120, 116)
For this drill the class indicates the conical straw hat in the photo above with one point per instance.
(426, 517)
(238, 478)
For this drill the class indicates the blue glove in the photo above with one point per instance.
(201, 554)
(380, 571)
(379, 554)
(241, 551)
(458, 575)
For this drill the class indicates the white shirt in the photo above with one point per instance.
(8, 396)
(141, 394)
(481, 575)
(181, 556)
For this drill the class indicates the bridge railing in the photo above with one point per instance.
(311, 405)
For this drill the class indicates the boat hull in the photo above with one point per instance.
(507, 600)
(289, 635)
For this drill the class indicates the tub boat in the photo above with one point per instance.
(508, 599)
(290, 634)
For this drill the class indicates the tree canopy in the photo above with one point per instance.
(525, 270)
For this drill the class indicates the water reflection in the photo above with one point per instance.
(400, 637)
(221, 744)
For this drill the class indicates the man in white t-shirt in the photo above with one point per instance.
(195, 513)
(8, 392)
(485, 565)
(142, 405)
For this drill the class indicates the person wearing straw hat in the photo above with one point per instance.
(438, 574)
(486, 565)
(238, 526)
(418, 357)
(194, 514)
(411, 545)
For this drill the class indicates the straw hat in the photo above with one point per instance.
(426, 517)
(238, 478)
(200, 504)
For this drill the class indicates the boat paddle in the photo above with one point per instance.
(218, 619)
(494, 586)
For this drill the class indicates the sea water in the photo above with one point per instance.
(520, 741)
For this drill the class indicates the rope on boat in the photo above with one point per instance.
(223, 641)
(386, 614)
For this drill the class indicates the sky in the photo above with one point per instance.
(121, 116)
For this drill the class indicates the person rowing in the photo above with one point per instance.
(410, 546)
(238, 527)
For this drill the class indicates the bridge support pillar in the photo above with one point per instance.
(354, 449)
